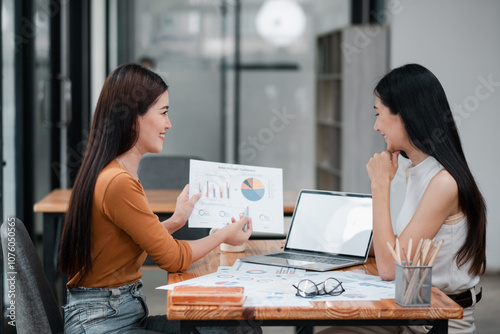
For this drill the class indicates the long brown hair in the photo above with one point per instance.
(128, 92)
(413, 92)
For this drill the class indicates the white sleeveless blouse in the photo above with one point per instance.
(445, 273)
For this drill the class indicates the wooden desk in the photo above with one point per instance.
(162, 201)
(54, 206)
(343, 313)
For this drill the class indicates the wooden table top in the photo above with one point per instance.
(161, 201)
(441, 306)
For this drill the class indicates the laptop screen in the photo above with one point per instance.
(331, 222)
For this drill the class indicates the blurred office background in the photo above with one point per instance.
(250, 81)
(245, 84)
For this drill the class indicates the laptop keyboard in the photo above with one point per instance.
(310, 258)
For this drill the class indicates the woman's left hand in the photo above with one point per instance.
(235, 232)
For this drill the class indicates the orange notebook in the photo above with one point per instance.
(207, 295)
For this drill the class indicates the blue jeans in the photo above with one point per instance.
(118, 310)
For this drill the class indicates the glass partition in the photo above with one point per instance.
(241, 74)
(8, 109)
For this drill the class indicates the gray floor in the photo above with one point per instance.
(487, 310)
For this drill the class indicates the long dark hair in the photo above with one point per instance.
(414, 93)
(128, 92)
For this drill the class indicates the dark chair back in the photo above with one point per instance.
(164, 172)
(36, 309)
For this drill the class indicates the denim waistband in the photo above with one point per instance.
(85, 292)
(123, 288)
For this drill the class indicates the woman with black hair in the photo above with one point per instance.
(110, 227)
(442, 199)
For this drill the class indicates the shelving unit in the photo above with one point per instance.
(329, 115)
(349, 63)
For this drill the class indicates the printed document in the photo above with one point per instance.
(270, 286)
(229, 190)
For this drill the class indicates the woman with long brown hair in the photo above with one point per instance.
(110, 228)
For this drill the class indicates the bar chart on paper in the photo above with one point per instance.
(227, 189)
(215, 190)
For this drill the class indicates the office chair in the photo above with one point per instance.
(168, 172)
(164, 172)
(36, 309)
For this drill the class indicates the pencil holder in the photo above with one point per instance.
(413, 285)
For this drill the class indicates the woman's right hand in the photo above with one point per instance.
(183, 209)
(382, 167)
(185, 205)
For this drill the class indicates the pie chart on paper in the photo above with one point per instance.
(253, 189)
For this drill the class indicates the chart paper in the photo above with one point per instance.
(228, 189)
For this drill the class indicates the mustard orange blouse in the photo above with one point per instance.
(124, 229)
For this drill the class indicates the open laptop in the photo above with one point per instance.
(329, 230)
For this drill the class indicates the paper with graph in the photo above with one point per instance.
(274, 286)
(228, 189)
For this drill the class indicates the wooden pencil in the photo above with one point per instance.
(408, 255)
(398, 250)
(393, 253)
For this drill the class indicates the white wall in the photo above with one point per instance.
(458, 40)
